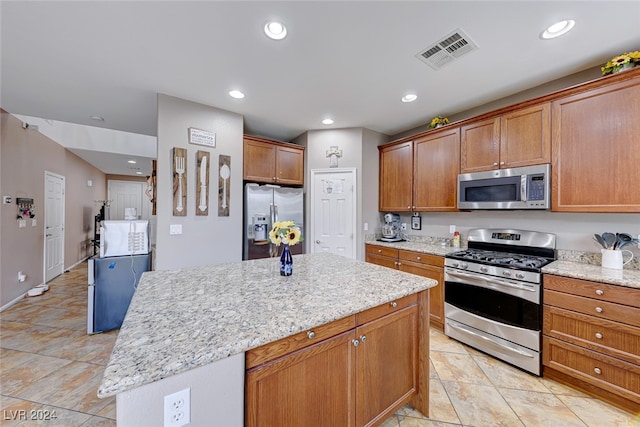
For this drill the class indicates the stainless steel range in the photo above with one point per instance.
(493, 293)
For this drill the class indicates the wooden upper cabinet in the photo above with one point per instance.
(436, 164)
(518, 138)
(273, 162)
(596, 149)
(480, 146)
(525, 137)
(396, 169)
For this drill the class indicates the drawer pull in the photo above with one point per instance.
(598, 335)
(599, 309)
(419, 258)
(379, 251)
(599, 292)
(597, 371)
(311, 335)
(393, 304)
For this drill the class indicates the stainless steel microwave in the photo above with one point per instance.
(515, 188)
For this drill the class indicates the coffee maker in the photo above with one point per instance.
(391, 228)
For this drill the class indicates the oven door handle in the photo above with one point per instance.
(489, 280)
(490, 341)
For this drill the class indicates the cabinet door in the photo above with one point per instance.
(596, 150)
(396, 169)
(289, 165)
(259, 161)
(436, 300)
(525, 137)
(436, 164)
(316, 383)
(480, 146)
(386, 365)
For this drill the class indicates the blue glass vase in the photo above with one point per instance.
(286, 262)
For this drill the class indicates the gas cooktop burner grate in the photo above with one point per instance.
(502, 259)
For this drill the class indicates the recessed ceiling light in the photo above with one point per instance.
(133, 162)
(236, 94)
(275, 30)
(97, 118)
(409, 97)
(558, 29)
(327, 122)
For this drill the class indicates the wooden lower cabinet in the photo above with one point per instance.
(425, 265)
(591, 338)
(357, 378)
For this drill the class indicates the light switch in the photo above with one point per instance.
(34, 222)
(175, 229)
(22, 223)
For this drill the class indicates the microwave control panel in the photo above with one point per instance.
(536, 186)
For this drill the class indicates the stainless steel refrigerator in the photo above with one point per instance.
(264, 204)
(112, 283)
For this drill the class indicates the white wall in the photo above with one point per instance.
(574, 231)
(205, 239)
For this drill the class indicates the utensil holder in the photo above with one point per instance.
(613, 258)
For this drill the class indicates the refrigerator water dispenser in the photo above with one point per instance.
(260, 224)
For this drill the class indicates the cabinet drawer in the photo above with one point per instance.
(384, 261)
(611, 338)
(610, 374)
(593, 307)
(267, 352)
(382, 250)
(387, 308)
(600, 291)
(436, 260)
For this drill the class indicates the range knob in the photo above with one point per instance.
(455, 264)
(520, 275)
(484, 269)
(464, 265)
(506, 273)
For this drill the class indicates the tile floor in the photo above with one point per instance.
(49, 363)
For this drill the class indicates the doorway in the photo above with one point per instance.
(128, 194)
(54, 185)
(333, 211)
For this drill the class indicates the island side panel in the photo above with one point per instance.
(421, 400)
(216, 389)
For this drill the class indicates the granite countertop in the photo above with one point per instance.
(434, 248)
(578, 270)
(183, 319)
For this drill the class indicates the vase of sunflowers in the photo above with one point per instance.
(438, 121)
(622, 62)
(285, 233)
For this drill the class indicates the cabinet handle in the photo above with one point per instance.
(399, 264)
(408, 207)
(599, 292)
(599, 309)
(379, 250)
(598, 335)
(597, 371)
(495, 163)
(501, 163)
(393, 304)
(311, 335)
(363, 338)
(418, 258)
(355, 343)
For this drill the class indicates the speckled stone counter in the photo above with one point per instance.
(183, 319)
(628, 278)
(423, 247)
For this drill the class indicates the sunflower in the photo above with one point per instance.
(293, 236)
(621, 59)
(620, 62)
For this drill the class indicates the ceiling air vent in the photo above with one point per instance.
(450, 48)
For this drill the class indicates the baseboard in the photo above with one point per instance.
(66, 270)
(12, 302)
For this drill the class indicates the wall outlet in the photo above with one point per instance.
(175, 229)
(366, 226)
(177, 408)
(403, 226)
(21, 276)
(6, 200)
(452, 229)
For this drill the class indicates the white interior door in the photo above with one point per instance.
(128, 194)
(53, 225)
(333, 211)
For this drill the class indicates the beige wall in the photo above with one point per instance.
(205, 239)
(25, 156)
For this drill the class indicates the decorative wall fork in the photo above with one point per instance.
(180, 172)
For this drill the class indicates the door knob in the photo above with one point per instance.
(318, 241)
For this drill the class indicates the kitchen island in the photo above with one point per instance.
(191, 328)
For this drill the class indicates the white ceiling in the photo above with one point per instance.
(351, 61)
